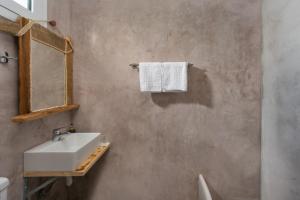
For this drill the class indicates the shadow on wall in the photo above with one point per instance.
(213, 192)
(199, 91)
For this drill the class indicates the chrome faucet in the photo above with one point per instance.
(57, 133)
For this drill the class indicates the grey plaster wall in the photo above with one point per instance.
(161, 142)
(281, 118)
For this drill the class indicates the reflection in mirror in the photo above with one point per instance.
(47, 77)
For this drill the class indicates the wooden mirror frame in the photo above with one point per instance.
(48, 37)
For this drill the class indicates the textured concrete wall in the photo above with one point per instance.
(16, 138)
(281, 127)
(161, 142)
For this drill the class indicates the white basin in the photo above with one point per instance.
(63, 155)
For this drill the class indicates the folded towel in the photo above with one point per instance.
(150, 76)
(174, 76)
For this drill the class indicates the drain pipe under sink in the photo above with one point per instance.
(69, 181)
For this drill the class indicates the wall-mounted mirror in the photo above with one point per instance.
(45, 70)
(48, 77)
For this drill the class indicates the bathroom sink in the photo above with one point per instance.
(63, 155)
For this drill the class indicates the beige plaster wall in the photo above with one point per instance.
(161, 142)
(16, 138)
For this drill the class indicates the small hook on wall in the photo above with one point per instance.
(5, 58)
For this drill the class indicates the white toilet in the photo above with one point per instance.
(4, 182)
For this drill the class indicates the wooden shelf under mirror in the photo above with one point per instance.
(45, 70)
(43, 113)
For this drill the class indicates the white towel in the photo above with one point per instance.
(203, 190)
(150, 76)
(174, 76)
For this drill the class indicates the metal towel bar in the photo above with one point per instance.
(136, 65)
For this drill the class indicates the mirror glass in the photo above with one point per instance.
(47, 77)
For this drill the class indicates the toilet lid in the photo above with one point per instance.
(4, 182)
